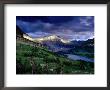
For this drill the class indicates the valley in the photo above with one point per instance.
(53, 55)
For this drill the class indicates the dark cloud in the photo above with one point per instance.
(68, 27)
(50, 19)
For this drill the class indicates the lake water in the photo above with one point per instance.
(77, 57)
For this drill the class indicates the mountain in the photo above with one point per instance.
(53, 43)
(79, 47)
(51, 38)
(89, 42)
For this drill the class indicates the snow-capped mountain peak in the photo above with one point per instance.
(51, 38)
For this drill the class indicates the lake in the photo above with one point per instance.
(78, 57)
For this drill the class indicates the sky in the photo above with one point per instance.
(67, 27)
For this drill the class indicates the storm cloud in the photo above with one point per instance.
(67, 27)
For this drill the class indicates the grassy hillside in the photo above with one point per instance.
(38, 60)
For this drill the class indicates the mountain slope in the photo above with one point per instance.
(38, 60)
